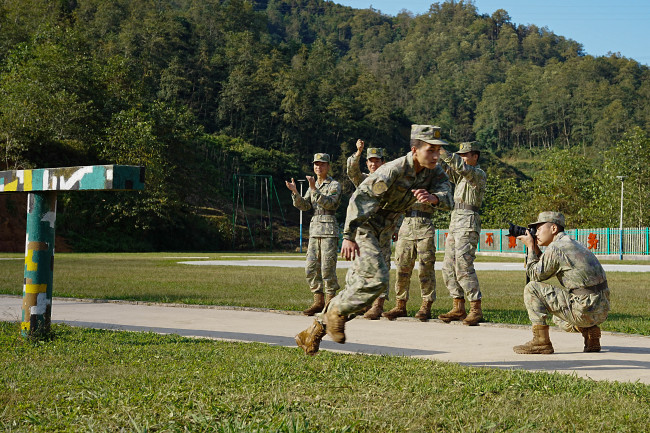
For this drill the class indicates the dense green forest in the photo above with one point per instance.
(200, 90)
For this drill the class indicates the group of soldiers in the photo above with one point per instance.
(406, 192)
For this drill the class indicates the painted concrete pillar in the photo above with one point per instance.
(41, 185)
(39, 264)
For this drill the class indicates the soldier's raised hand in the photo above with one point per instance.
(292, 186)
(360, 145)
(312, 181)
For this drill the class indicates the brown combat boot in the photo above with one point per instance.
(540, 344)
(375, 312)
(317, 306)
(475, 314)
(328, 298)
(398, 311)
(335, 324)
(457, 312)
(309, 339)
(424, 313)
(592, 338)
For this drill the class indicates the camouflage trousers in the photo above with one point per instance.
(568, 310)
(387, 252)
(406, 252)
(458, 268)
(320, 269)
(368, 277)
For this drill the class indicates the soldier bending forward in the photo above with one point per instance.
(370, 218)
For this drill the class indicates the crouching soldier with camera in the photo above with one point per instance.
(581, 304)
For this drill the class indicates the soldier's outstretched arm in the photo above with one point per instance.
(353, 170)
(298, 201)
(445, 194)
(457, 167)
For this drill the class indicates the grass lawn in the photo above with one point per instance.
(94, 380)
(157, 277)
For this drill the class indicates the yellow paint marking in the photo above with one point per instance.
(30, 264)
(12, 186)
(35, 288)
(27, 180)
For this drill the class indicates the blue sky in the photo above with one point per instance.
(621, 26)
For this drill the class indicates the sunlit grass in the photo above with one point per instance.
(94, 380)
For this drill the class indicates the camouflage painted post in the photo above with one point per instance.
(42, 186)
(39, 264)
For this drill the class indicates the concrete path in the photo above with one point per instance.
(624, 358)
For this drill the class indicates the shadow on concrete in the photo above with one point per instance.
(547, 364)
(368, 349)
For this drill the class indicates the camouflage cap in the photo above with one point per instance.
(471, 146)
(427, 133)
(549, 217)
(374, 152)
(321, 157)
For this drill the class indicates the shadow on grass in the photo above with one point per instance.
(258, 338)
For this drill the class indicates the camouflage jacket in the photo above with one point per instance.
(567, 259)
(470, 182)
(324, 200)
(353, 170)
(387, 193)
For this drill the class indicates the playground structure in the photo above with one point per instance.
(42, 186)
(252, 204)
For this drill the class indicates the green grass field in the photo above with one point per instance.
(94, 380)
(159, 278)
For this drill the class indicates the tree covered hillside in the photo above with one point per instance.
(197, 90)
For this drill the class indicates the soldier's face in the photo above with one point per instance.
(470, 158)
(427, 155)
(545, 234)
(321, 168)
(374, 164)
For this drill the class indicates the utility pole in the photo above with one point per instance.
(301, 183)
(620, 241)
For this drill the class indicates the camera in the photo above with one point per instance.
(515, 230)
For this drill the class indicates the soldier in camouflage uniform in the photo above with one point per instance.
(324, 197)
(374, 160)
(416, 240)
(464, 230)
(370, 221)
(581, 304)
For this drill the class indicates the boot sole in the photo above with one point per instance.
(455, 319)
(304, 347)
(392, 317)
(533, 352)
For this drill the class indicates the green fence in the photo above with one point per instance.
(599, 241)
